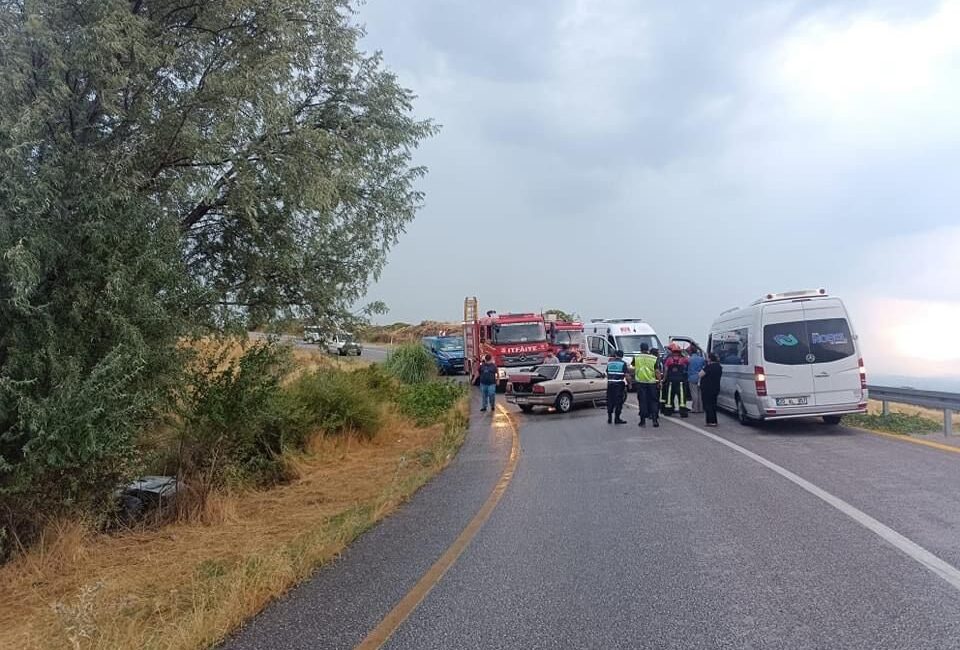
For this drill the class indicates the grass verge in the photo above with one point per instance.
(187, 585)
(899, 423)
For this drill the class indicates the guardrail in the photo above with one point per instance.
(947, 402)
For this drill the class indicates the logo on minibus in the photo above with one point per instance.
(786, 340)
(829, 339)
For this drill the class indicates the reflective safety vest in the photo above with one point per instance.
(616, 369)
(646, 368)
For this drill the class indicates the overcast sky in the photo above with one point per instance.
(671, 160)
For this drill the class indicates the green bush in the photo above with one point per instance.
(336, 402)
(376, 378)
(237, 415)
(411, 363)
(428, 403)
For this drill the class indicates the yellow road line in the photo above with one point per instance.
(907, 438)
(395, 618)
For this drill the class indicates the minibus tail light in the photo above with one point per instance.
(863, 376)
(760, 379)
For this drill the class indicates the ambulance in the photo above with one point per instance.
(604, 335)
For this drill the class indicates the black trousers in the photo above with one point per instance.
(616, 392)
(709, 398)
(647, 399)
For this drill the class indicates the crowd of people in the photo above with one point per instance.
(684, 381)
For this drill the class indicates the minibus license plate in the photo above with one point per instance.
(791, 401)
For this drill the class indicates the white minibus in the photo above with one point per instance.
(789, 355)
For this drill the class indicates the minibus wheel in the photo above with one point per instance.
(742, 414)
(832, 419)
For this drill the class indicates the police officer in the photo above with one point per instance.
(617, 370)
(646, 368)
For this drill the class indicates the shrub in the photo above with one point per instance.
(236, 413)
(376, 379)
(411, 364)
(428, 403)
(336, 402)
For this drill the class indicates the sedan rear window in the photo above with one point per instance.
(549, 372)
(804, 342)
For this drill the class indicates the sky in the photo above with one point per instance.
(671, 160)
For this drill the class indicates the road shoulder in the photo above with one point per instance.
(345, 600)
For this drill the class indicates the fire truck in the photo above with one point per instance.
(564, 334)
(512, 340)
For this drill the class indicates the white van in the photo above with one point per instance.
(604, 335)
(789, 355)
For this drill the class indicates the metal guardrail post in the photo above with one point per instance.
(947, 422)
(886, 408)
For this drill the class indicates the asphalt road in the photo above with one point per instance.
(621, 537)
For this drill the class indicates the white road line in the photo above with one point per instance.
(943, 569)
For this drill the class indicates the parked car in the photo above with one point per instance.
(558, 385)
(312, 334)
(447, 351)
(344, 345)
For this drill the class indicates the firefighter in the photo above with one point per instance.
(675, 386)
(616, 387)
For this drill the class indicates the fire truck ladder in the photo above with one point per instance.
(470, 309)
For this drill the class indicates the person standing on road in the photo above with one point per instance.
(646, 375)
(677, 389)
(564, 355)
(695, 363)
(710, 388)
(488, 382)
(656, 353)
(616, 387)
(550, 359)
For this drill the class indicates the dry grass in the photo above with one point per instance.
(188, 584)
(309, 359)
(406, 333)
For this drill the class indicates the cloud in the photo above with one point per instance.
(677, 159)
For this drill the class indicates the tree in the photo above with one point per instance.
(562, 315)
(167, 166)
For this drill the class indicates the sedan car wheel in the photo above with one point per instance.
(564, 402)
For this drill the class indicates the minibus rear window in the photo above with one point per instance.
(830, 339)
(804, 342)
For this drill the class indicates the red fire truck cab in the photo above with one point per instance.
(564, 335)
(512, 340)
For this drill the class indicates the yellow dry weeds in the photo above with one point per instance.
(188, 584)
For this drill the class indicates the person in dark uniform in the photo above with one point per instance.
(616, 387)
(710, 388)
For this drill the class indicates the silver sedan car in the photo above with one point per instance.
(558, 385)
